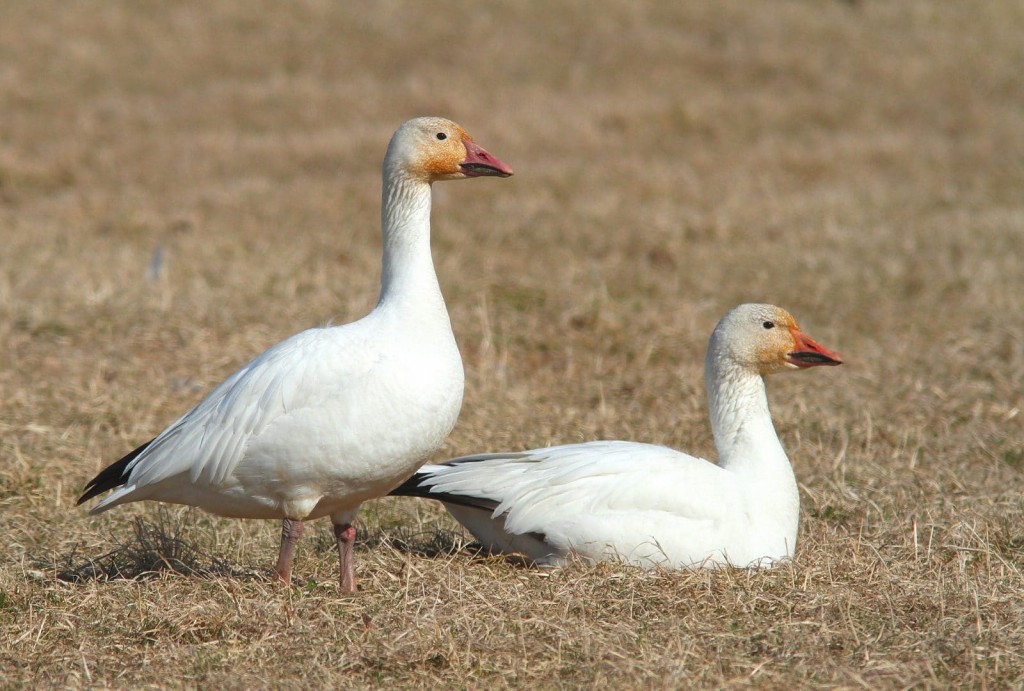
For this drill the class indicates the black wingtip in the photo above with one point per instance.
(114, 475)
(413, 488)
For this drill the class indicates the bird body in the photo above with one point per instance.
(265, 443)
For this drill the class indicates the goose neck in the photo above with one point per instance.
(740, 419)
(408, 269)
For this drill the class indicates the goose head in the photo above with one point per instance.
(766, 339)
(429, 149)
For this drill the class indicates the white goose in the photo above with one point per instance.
(332, 416)
(645, 504)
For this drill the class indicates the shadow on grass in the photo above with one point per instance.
(159, 547)
(424, 543)
(435, 544)
(154, 548)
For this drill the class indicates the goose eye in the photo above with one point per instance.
(442, 136)
(769, 325)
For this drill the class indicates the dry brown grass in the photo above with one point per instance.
(859, 164)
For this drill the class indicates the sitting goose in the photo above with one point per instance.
(645, 504)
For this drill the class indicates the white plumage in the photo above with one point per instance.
(332, 416)
(646, 504)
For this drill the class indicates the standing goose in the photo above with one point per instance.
(645, 504)
(332, 416)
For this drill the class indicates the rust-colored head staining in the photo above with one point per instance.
(433, 149)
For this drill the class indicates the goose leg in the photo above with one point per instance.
(346, 537)
(290, 533)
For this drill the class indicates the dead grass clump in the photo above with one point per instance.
(153, 549)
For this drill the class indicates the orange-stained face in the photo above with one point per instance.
(439, 149)
(782, 345)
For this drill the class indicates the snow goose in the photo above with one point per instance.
(645, 504)
(332, 416)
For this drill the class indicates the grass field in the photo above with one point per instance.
(184, 184)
